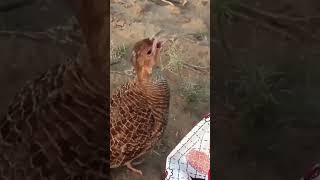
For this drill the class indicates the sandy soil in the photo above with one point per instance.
(189, 86)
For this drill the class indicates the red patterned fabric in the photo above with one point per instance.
(199, 161)
(313, 173)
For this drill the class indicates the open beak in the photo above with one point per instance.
(157, 46)
(159, 40)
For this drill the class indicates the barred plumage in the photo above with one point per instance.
(55, 128)
(139, 109)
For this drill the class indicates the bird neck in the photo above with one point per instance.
(143, 76)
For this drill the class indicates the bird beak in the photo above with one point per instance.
(156, 48)
(159, 40)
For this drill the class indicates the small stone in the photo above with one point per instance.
(120, 23)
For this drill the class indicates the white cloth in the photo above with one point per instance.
(190, 159)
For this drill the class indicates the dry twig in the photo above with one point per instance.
(168, 2)
(196, 68)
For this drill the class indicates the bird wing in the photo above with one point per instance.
(132, 124)
(50, 132)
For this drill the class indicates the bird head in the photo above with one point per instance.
(146, 55)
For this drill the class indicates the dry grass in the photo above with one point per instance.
(118, 53)
(194, 93)
(176, 57)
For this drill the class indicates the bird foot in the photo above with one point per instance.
(137, 171)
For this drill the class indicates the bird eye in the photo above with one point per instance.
(149, 52)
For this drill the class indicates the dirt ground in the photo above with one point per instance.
(185, 62)
(261, 132)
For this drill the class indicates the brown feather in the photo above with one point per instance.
(139, 112)
(55, 128)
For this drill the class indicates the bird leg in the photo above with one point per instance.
(137, 171)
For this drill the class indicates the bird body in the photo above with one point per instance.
(55, 128)
(139, 110)
(141, 121)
